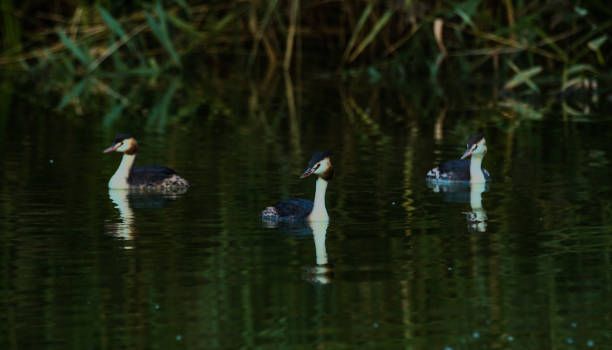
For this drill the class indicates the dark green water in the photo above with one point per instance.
(82, 268)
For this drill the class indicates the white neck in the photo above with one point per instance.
(119, 179)
(319, 213)
(476, 174)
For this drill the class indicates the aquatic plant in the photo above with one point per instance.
(525, 46)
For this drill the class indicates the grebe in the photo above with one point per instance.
(302, 209)
(464, 170)
(128, 176)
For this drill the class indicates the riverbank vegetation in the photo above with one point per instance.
(516, 48)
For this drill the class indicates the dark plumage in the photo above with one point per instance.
(474, 139)
(289, 209)
(317, 157)
(147, 175)
(455, 170)
(120, 137)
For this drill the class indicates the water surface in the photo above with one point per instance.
(401, 265)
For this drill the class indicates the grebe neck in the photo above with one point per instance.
(476, 174)
(319, 213)
(120, 178)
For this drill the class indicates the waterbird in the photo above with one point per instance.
(127, 176)
(295, 209)
(464, 170)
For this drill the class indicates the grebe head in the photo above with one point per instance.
(124, 143)
(476, 146)
(320, 165)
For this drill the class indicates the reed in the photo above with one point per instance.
(519, 42)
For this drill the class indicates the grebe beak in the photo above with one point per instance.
(467, 153)
(111, 148)
(307, 173)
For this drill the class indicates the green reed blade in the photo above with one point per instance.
(161, 14)
(112, 23)
(524, 110)
(159, 113)
(368, 39)
(118, 63)
(74, 49)
(161, 31)
(466, 10)
(223, 22)
(364, 15)
(111, 116)
(179, 23)
(152, 118)
(185, 6)
(579, 68)
(116, 28)
(595, 44)
(75, 92)
(550, 42)
(523, 77)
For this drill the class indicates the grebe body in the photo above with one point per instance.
(295, 209)
(464, 170)
(128, 176)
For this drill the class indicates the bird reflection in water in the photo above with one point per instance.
(322, 272)
(124, 228)
(477, 218)
(127, 200)
(466, 193)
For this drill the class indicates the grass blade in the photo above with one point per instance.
(551, 42)
(159, 113)
(368, 39)
(183, 4)
(364, 15)
(111, 116)
(111, 22)
(223, 22)
(466, 10)
(523, 77)
(76, 51)
(579, 68)
(595, 44)
(161, 31)
(184, 25)
(75, 92)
